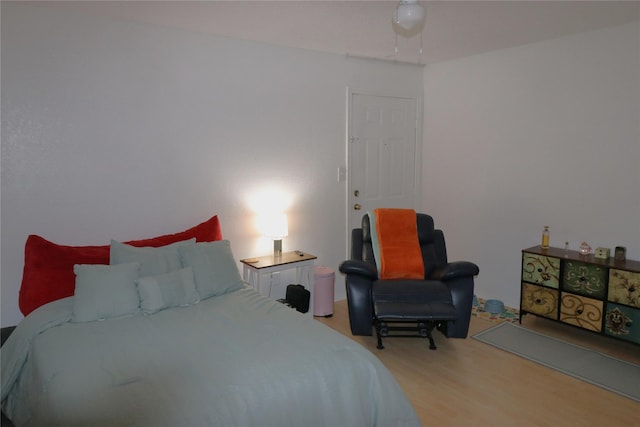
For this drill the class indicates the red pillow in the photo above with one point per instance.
(48, 267)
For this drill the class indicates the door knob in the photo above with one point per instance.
(357, 206)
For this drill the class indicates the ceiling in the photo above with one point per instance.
(363, 28)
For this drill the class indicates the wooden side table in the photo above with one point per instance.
(253, 269)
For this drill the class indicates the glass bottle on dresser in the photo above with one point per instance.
(545, 237)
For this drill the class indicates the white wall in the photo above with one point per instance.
(121, 130)
(542, 134)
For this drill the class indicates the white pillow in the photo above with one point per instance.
(104, 291)
(214, 267)
(153, 261)
(173, 289)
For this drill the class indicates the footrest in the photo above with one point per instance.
(406, 312)
(418, 329)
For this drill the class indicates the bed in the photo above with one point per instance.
(201, 348)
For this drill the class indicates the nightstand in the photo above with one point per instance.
(253, 269)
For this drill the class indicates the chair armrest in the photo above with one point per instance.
(454, 270)
(359, 268)
(359, 277)
(458, 276)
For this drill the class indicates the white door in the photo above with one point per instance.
(383, 154)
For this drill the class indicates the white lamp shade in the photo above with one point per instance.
(409, 14)
(275, 226)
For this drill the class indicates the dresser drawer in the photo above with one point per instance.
(539, 300)
(623, 322)
(541, 269)
(584, 279)
(624, 287)
(581, 311)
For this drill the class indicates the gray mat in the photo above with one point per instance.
(588, 365)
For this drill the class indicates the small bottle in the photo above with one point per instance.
(545, 237)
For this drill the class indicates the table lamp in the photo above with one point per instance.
(276, 227)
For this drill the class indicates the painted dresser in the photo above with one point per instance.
(600, 295)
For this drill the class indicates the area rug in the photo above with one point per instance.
(508, 315)
(588, 365)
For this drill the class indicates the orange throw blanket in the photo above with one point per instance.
(394, 235)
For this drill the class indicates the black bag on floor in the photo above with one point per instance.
(297, 297)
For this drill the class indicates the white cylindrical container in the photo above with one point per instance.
(323, 289)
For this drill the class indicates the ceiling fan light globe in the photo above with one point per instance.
(409, 16)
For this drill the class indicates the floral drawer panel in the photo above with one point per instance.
(623, 322)
(584, 279)
(541, 269)
(539, 300)
(581, 311)
(624, 287)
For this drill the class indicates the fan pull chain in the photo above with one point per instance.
(396, 43)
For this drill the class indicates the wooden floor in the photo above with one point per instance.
(469, 383)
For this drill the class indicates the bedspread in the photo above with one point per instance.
(239, 359)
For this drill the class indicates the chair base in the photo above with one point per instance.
(421, 329)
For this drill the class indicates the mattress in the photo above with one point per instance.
(238, 359)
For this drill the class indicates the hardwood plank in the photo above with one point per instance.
(466, 382)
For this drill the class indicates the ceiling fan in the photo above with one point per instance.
(408, 21)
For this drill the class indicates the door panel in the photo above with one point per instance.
(383, 154)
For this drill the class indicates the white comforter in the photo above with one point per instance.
(238, 359)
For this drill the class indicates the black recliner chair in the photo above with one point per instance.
(442, 300)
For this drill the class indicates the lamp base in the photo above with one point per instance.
(277, 248)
